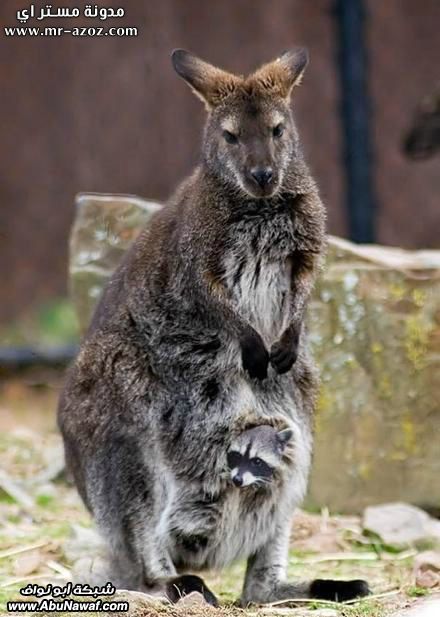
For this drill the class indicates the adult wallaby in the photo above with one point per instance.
(200, 330)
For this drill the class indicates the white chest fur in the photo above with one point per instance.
(260, 290)
(258, 270)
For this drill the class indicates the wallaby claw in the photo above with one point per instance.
(255, 356)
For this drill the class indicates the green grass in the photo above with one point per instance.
(416, 592)
(45, 501)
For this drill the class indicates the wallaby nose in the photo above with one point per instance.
(237, 480)
(262, 175)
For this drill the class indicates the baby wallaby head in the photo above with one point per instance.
(256, 454)
(250, 137)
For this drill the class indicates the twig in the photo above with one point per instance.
(355, 557)
(375, 596)
(303, 601)
(58, 567)
(23, 549)
(16, 492)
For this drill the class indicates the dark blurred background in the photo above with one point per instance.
(110, 115)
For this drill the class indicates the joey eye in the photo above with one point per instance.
(278, 130)
(260, 468)
(230, 138)
(234, 459)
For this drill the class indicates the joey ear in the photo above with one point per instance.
(284, 436)
(282, 74)
(208, 82)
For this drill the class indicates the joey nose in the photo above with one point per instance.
(237, 480)
(262, 175)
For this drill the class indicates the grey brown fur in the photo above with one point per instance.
(198, 336)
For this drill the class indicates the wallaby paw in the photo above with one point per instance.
(255, 356)
(181, 586)
(283, 357)
(339, 591)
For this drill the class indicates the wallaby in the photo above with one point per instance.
(202, 322)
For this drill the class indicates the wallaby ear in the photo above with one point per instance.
(295, 61)
(281, 75)
(208, 82)
(284, 436)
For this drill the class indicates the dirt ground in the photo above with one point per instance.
(47, 536)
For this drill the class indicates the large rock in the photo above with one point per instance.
(425, 607)
(375, 324)
(375, 328)
(401, 524)
(104, 227)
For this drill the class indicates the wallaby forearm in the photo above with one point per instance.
(306, 256)
(304, 268)
(213, 294)
(255, 357)
(304, 264)
(285, 351)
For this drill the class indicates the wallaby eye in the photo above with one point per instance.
(278, 130)
(230, 138)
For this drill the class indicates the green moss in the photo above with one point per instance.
(409, 435)
(397, 291)
(364, 470)
(384, 387)
(419, 297)
(324, 405)
(417, 333)
(376, 348)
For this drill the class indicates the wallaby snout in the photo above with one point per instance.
(262, 175)
(258, 161)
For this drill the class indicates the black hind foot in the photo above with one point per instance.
(183, 585)
(338, 591)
